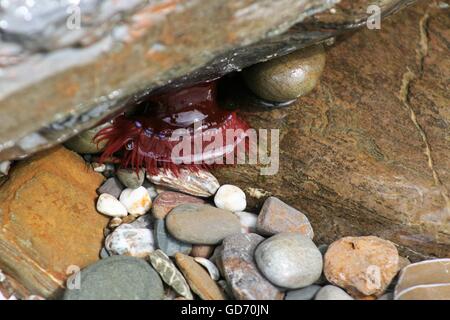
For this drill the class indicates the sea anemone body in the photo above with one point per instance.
(186, 128)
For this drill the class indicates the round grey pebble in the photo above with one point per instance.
(118, 278)
(130, 178)
(288, 77)
(289, 260)
(332, 293)
(201, 224)
(168, 244)
(307, 293)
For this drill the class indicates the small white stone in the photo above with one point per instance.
(130, 241)
(98, 167)
(110, 206)
(230, 198)
(4, 168)
(248, 221)
(136, 201)
(210, 267)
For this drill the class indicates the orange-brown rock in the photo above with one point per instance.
(364, 266)
(48, 220)
(367, 152)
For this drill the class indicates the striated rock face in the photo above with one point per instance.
(367, 152)
(48, 220)
(91, 59)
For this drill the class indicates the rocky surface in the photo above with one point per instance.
(367, 151)
(75, 80)
(48, 220)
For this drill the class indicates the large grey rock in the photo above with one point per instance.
(76, 82)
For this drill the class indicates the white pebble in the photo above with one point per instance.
(110, 206)
(248, 221)
(230, 198)
(136, 201)
(4, 168)
(98, 167)
(210, 267)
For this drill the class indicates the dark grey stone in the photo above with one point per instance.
(118, 278)
(111, 186)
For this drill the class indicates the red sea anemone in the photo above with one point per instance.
(152, 137)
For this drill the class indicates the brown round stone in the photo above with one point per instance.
(288, 77)
(361, 265)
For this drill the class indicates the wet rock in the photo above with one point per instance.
(64, 102)
(276, 217)
(248, 221)
(84, 142)
(168, 244)
(110, 206)
(202, 251)
(288, 77)
(130, 241)
(130, 178)
(289, 260)
(332, 293)
(118, 278)
(168, 200)
(230, 198)
(199, 183)
(241, 272)
(170, 274)
(201, 224)
(46, 232)
(361, 265)
(198, 278)
(111, 186)
(345, 153)
(426, 280)
(136, 201)
(307, 293)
